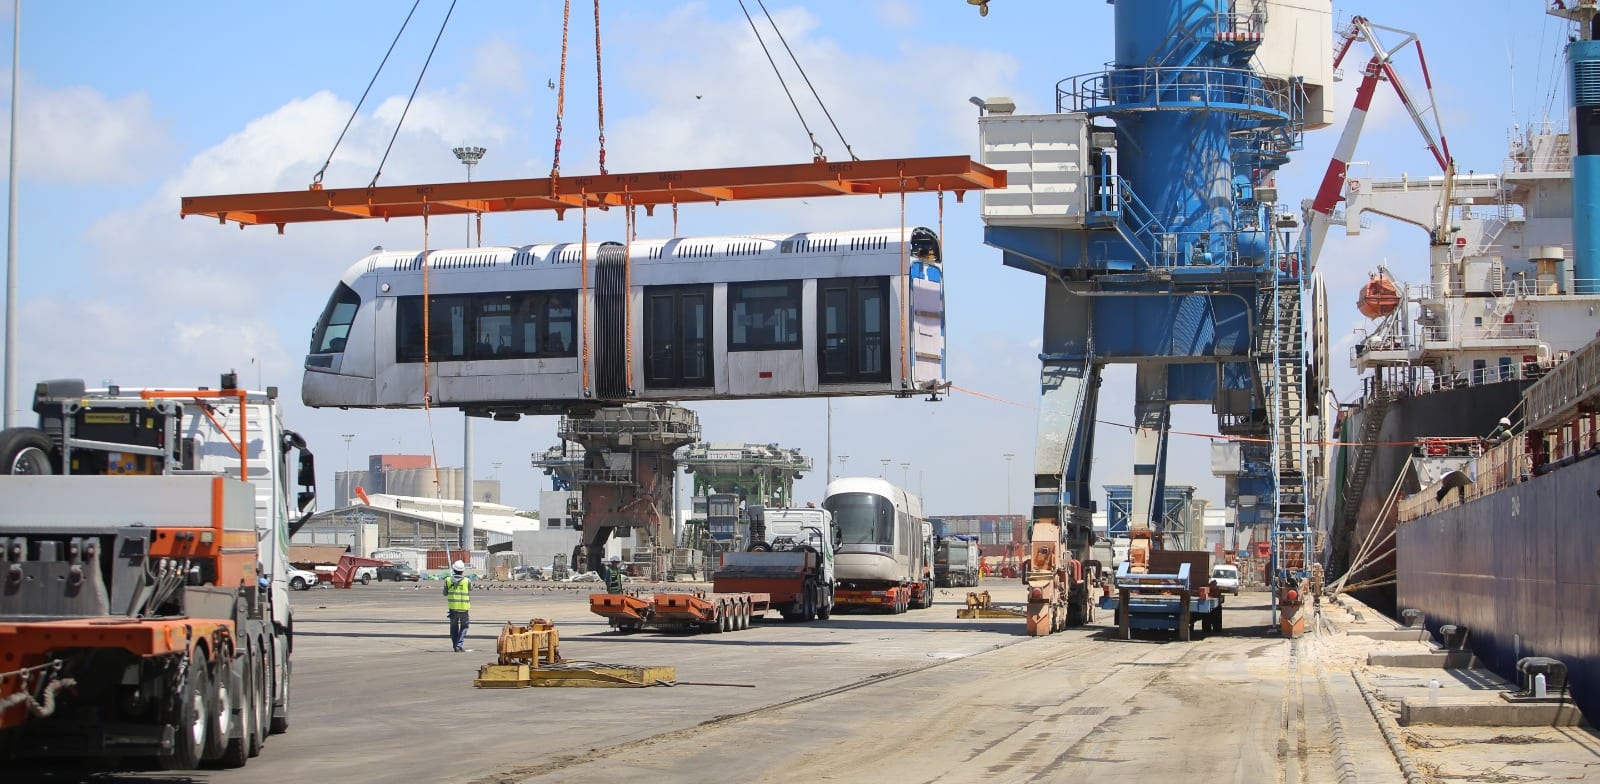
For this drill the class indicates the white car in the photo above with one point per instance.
(1226, 576)
(302, 579)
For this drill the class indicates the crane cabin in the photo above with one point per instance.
(550, 328)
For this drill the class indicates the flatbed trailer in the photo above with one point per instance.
(890, 598)
(682, 611)
(1171, 596)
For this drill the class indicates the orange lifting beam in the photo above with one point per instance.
(954, 173)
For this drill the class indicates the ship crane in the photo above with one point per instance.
(1146, 202)
(1379, 68)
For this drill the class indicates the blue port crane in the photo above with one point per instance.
(1147, 202)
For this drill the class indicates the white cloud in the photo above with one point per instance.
(79, 135)
(896, 14)
(499, 66)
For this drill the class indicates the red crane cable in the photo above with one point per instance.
(630, 224)
(427, 340)
(905, 290)
(561, 91)
(583, 293)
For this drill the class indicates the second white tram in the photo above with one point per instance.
(885, 547)
(545, 328)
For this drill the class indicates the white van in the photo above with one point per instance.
(1226, 576)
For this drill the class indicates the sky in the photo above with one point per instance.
(126, 107)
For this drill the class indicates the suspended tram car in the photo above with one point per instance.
(535, 329)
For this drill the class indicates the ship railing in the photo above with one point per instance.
(1177, 88)
(1437, 335)
(1497, 468)
(1568, 386)
(1586, 286)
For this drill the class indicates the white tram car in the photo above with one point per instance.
(519, 330)
(883, 543)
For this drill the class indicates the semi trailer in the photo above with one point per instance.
(144, 540)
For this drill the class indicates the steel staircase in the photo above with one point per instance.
(1289, 531)
(1365, 453)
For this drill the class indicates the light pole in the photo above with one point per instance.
(1008, 457)
(348, 437)
(905, 476)
(883, 473)
(829, 473)
(842, 460)
(469, 156)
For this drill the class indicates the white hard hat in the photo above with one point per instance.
(458, 567)
(616, 559)
(1505, 421)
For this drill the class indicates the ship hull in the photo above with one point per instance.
(1459, 412)
(1517, 570)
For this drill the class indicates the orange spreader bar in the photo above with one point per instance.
(954, 173)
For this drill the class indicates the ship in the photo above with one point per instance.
(1486, 540)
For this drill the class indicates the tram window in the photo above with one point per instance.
(558, 308)
(497, 325)
(494, 314)
(854, 315)
(764, 316)
(447, 329)
(677, 336)
(334, 326)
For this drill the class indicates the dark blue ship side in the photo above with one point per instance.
(1520, 570)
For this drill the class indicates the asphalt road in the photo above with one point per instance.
(923, 696)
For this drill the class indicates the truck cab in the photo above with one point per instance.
(810, 537)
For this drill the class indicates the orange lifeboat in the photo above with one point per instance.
(1379, 297)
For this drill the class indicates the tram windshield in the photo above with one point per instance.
(334, 326)
(862, 518)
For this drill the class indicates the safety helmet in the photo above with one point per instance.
(616, 559)
(1505, 421)
(458, 567)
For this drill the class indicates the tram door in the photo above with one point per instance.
(611, 322)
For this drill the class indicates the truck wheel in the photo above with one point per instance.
(236, 750)
(25, 450)
(825, 607)
(262, 700)
(191, 718)
(223, 695)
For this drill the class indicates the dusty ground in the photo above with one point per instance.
(919, 697)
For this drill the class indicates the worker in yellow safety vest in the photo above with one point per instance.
(613, 575)
(458, 597)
